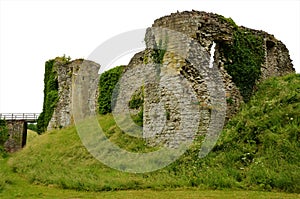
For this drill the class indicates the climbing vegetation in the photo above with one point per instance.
(50, 92)
(159, 52)
(137, 99)
(137, 102)
(108, 81)
(244, 58)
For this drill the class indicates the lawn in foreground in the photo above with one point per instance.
(37, 191)
(15, 186)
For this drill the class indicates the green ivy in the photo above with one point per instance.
(244, 58)
(107, 83)
(138, 118)
(3, 136)
(137, 102)
(159, 52)
(137, 99)
(50, 92)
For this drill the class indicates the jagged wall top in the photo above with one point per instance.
(204, 27)
(253, 55)
(208, 27)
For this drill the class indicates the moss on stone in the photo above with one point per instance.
(229, 21)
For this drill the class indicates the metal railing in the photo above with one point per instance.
(29, 117)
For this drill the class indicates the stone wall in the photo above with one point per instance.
(17, 130)
(66, 75)
(208, 27)
(204, 28)
(170, 116)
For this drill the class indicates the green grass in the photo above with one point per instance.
(259, 150)
(263, 140)
(14, 186)
(31, 135)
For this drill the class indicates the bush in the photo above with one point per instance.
(3, 136)
(3, 132)
(32, 127)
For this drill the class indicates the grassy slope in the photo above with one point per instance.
(260, 147)
(31, 135)
(263, 141)
(258, 150)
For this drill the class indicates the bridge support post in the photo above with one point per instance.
(17, 135)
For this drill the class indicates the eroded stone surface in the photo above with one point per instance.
(66, 75)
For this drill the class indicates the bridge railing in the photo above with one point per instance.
(30, 117)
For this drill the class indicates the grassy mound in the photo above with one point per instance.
(259, 150)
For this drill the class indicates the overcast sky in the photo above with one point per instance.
(32, 32)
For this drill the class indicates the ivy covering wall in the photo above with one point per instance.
(244, 58)
(107, 83)
(137, 102)
(50, 92)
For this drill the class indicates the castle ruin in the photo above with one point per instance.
(195, 32)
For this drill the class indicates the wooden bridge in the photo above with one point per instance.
(28, 117)
(17, 129)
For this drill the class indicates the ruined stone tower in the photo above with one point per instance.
(180, 31)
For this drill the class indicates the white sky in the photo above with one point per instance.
(32, 32)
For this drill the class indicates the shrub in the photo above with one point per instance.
(3, 132)
(3, 136)
(32, 127)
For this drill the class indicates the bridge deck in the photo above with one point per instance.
(28, 117)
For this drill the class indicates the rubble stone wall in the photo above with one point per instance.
(204, 28)
(66, 75)
(17, 130)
